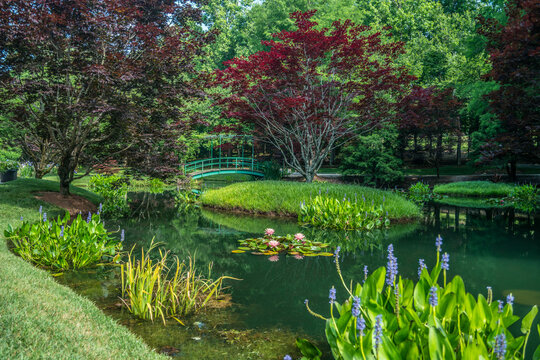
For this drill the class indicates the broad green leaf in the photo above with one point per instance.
(527, 321)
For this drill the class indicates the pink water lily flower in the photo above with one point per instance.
(269, 232)
(299, 236)
(273, 243)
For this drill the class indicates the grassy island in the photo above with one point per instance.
(283, 198)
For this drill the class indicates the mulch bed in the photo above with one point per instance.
(71, 203)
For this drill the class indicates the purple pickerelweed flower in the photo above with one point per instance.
(306, 301)
(421, 266)
(438, 243)
(332, 295)
(22, 219)
(356, 306)
(100, 208)
(365, 272)
(336, 253)
(122, 235)
(344, 197)
(445, 260)
(391, 267)
(501, 306)
(433, 299)
(287, 357)
(360, 325)
(510, 299)
(377, 332)
(44, 217)
(62, 231)
(89, 218)
(40, 209)
(499, 348)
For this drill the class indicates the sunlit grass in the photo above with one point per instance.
(474, 188)
(284, 198)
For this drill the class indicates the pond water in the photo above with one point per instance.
(487, 248)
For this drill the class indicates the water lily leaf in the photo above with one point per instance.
(244, 248)
(238, 251)
(311, 254)
(326, 254)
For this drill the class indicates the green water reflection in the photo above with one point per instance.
(486, 247)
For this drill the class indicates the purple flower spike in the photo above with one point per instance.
(40, 209)
(122, 235)
(445, 260)
(500, 346)
(22, 218)
(421, 266)
(377, 332)
(361, 325)
(356, 306)
(89, 218)
(438, 243)
(510, 299)
(44, 217)
(287, 357)
(365, 272)
(433, 299)
(392, 267)
(336, 253)
(501, 306)
(62, 231)
(332, 295)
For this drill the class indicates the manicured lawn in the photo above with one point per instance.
(474, 188)
(284, 198)
(41, 319)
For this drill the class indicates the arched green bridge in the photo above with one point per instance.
(224, 165)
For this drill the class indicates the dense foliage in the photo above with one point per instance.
(389, 317)
(325, 211)
(113, 189)
(62, 244)
(313, 88)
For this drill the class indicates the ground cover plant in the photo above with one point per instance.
(271, 244)
(325, 211)
(284, 198)
(474, 188)
(525, 198)
(38, 314)
(389, 317)
(62, 243)
(160, 289)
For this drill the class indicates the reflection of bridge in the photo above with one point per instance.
(224, 165)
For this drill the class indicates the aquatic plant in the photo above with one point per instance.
(162, 289)
(419, 193)
(525, 198)
(113, 189)
(61, 244)
(292, 244)
(328, 212)
(423, 319)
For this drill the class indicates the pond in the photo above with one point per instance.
(487, 248)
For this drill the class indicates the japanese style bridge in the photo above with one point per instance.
(224, 165)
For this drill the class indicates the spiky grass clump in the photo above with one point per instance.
(156, 289)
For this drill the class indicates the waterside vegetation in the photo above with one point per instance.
(285, 198)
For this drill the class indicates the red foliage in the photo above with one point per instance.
(515, 54)
(100, 76)
(314, 87)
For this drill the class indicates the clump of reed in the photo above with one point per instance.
(166, 288)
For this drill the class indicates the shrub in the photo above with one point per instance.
(61, 244)
(419, 193)
(113, 189)
(388, 317)
(272, 170)
(329, 212)
(525, 198)
(8, 160)
(152, 290)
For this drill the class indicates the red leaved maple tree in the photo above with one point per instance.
(515, 55)
(97, 78)
(315, 87)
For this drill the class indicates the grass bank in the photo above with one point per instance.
(474, 189)
(283, 198)
(41, 319)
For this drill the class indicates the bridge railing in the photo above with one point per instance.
(224, 163)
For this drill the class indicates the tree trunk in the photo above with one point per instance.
(309, 176)
(65, 173)
(458, 152)
(511, 169)
(39, 173)
(438, 155)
